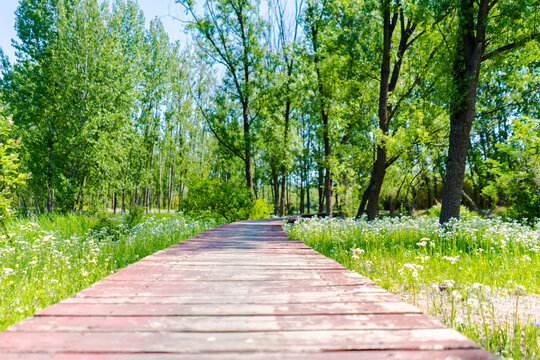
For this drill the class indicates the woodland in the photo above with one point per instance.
(337, 107)
(408, 129)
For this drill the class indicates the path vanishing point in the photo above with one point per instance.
(239, 291)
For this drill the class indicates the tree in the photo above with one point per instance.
(316, 13)
(229, 34)
(11, 179)
(481, 25)
(405, 25)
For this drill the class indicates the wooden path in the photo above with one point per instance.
(239, 291)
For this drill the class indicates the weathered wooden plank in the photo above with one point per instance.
(279, 299)
(185, 342)
(227, 323)
(267, 277)
(226, 288)
(469, 354)
(124, 308)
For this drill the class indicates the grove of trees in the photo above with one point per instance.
(316, 106)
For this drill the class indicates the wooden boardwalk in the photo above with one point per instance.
(239, 291)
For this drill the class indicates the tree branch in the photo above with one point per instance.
(511, 46)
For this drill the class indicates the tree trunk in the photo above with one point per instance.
(388, 85)
(275, 187)
(435, 190)
(379, 166)
(159, 186)
(466, 68)
(50, 175)
(170, 190)
(308, 198)
(282, 199)
(428, 190)
(324, 117)
(374, 190)
(302, 206)
(321, 189)
(391, 207)
(363, 202)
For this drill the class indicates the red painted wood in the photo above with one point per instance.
(468, 354)
(186, 342)
(239, 291)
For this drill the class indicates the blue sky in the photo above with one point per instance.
(152, 8)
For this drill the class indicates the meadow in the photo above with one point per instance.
(479, 276)
(49, 258)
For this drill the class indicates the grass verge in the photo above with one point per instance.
(52, 257)
(479, 276)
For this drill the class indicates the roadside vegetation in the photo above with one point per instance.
(479, 276)
(49, 258)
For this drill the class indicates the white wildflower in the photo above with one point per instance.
(452, 260)
(356, 253)
(423, 259)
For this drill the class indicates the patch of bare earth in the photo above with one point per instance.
(475, 306)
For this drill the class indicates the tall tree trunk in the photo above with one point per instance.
(324, 114)
(391, 207)
(435, 189)
(50, 175)
(247, 165)
(282, 199)
(302, 206)
(428, 190)
(388, 85)
(275, 187)
(308, 198)
(288, 187)
(374, 190)
(321, 189)
(466, 69)
(379, 166)
(170, 190)
(159, 186)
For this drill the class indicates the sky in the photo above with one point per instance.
(166, 10)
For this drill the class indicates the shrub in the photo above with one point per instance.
(209, 198)
(464, 212)
(261, 209)
(214, 199)
(10, 177)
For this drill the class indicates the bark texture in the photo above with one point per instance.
(466, 70)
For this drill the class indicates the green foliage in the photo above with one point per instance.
(260, 209)
(213, 197)
(216, 199)
(465, 212)
(515, 173)
(52, 257)
(11, 179)
(111, 112)
(134, 216)
(112, 227)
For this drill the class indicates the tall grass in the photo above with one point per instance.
(472, 274)
(52, 257)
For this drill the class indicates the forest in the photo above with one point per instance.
(405, 133)
(323, 106)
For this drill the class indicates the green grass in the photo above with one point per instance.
(53, 257)
(472, 276)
